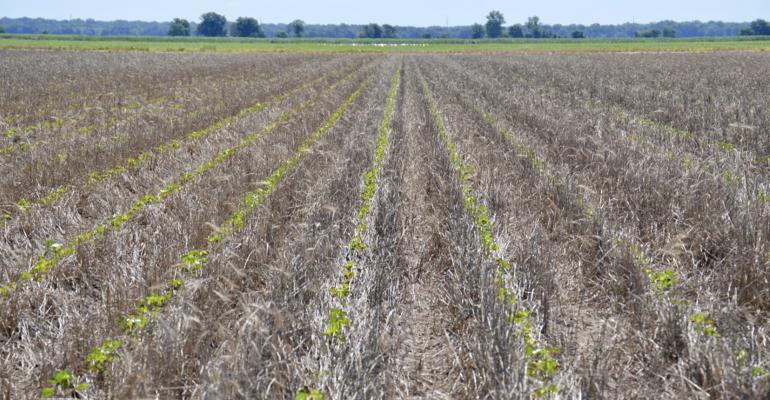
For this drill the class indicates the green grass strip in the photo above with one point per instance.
(134, 322)
(56, 252)
(542, 366)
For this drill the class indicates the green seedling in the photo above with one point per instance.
(133, 322)
(541, 364)
(663, 280)
(704, 324)
(309, 394)
(65, 384)
(194, 260)
(102, 355)
(338, 320)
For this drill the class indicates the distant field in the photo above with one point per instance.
(77, 42)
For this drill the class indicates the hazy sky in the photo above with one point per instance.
(398, 12)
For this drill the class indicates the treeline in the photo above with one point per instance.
(141, 28)
(84, 27)
(535, 29)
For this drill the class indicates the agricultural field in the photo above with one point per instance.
(400, 225)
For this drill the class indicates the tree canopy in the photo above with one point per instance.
(652, 33)
(477, 31)
(297, 27)
(128, 28)
(372, 31)
(389, 31)
(533, 27)
(247, 27)
(212, 24)
(516, 31)
(760, 27)
(179, 27)
(494, 25)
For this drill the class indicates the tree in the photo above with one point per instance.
(426, 35)
(652, 33)
(2, 30)
(297, 27)
(747, 32)
(388, 31)
(212, 24)
(179, 27)
(533, 26)
(477, 31)
(282, 35)
(494, 25)
(760, 27)
(516, 31)
(372, 31)
(578, 35)
(246, 27)
(669, 32)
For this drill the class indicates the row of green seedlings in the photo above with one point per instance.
(686, 158)
(132, 163)
(56, 252)
(625, 114)
(56, 123)
(661, 279)
(174, 101)
(66, 383)
(719, 145)
(338, 318)
(729, 177)
(85, 131)
(541, 363)
(59, 122)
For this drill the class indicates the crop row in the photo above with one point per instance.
(737, 168)
(662, 280)
(134, 162)
(338, 318)
(56, 252)
(41, 86)
(133, 323)
(722, 102)
(688, 139)
(174, 101)
(740, 171)
(746, 198)
(18, 132)
(24, 202)
(542, 365)
(24, 146)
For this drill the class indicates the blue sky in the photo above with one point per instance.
(398, 12)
